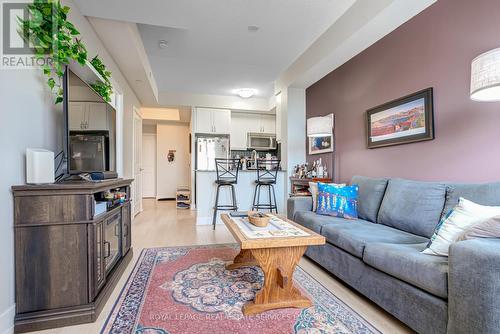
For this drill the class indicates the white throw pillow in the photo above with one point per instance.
(456, 222)
(313, 189)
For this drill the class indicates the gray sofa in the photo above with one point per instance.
(379, 254)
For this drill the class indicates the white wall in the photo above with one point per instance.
(30, 119)
(170, 175)
(291, 115)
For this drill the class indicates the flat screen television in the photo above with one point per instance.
(89, 126)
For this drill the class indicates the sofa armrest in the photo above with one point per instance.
(474, 286)
(299, 203)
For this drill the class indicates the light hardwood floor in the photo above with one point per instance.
(160, 225)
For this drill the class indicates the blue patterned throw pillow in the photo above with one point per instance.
(338, 201)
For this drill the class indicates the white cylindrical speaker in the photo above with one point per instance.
(39, 166)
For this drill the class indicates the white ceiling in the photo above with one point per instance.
(210, 50)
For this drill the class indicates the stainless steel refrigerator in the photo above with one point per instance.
(208, 148)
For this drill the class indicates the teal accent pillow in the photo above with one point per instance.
(338, 201)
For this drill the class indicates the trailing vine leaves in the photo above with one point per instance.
(55, 39)
(103, 88)
(52, 36)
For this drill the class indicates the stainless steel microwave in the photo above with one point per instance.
(261, 141)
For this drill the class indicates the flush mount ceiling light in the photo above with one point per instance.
(485, 76)
(245, 93)
(162, 44)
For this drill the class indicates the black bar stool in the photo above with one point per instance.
(267, 172)
(227, 176)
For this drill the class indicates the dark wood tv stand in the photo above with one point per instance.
(60, 252)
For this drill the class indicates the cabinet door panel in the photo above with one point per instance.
(97, 263)
(203, 121)
(268, 123)
(126, 229)
(221, 120)
(97, 116)
(51, 267)
(238, 132)
(77, 115)
(253, 125)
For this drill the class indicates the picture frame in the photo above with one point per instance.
(406, 120)
(319, 145)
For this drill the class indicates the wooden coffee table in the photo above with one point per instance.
(277, 257)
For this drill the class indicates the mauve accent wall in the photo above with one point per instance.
(434, 49)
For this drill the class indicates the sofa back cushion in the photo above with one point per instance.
(412, 206)
(371, 193)
(484, 194)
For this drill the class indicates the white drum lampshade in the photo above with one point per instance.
(485, 76)
(320, 126)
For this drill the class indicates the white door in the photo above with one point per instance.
(148, 165)
(204, 121)
(137, 198)
(221, 120)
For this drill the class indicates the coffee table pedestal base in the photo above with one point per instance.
(278, 265)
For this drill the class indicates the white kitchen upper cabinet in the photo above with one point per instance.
(252, 123)
(244, 123)
(268, 123)
(88, 116)
(203, 121)
(97, 116)
(77, 115)
(221, 119)
(239, 129)
(216, 121)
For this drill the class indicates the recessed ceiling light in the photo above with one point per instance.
(162, 44)
(245, 93)
(253, 28)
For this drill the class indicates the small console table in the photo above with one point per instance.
(68, 258)
(300, 186)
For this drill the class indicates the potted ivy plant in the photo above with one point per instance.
(53, 35)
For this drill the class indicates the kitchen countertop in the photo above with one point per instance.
(241, 170)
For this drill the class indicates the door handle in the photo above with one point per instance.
(108, 245)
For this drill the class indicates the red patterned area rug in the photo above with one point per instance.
(188, 290)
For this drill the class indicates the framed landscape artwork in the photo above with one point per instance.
(318, 145)
(405, 120)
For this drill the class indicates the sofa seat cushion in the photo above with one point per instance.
(354, 237)
(371, 193)
(412, 206)
(404, 261)
(316, 222)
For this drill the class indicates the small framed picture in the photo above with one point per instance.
(406, 120)
(318, 145)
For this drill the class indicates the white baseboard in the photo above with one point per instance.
(7, 320)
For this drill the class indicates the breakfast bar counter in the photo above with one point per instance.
(206, 191)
